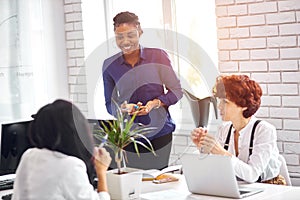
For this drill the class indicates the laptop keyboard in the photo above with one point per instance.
(7, 197)
(6, 184)
(243, 192)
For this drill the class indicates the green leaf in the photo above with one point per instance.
(123, 131)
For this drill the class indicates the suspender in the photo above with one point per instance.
(226, 145)
(252, 137)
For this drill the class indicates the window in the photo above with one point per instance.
(32, 63)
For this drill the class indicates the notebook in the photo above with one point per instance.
(213, 175)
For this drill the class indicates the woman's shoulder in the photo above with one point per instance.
(153, 50)
(67, 160)
(263, 124)
(110, 60)
(264, 130)
(225, 125)
(32, 152)
(55, 156)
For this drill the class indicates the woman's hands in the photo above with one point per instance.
(139, 109)
(197, 136)
(207, 143)
(102, 161)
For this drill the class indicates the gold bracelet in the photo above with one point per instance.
(159, 102)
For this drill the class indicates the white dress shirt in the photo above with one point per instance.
(264, 160)
(47, 175)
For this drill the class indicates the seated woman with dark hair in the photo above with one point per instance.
(251, 143)
(61, 164)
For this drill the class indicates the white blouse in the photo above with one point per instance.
(45, 174)
(264, 159)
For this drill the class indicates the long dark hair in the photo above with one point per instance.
(60, 126)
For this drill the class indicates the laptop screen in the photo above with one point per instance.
(14, 141)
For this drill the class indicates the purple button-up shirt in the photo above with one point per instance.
(146, 81)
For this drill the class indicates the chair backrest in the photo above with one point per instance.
(284, 170)
(200, 108)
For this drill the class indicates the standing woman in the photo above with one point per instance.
(144, 79)
(60, 165)
(239, 99)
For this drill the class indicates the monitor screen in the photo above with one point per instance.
(14, 141)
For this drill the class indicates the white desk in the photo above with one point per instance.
(178, 191)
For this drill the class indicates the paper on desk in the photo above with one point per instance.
(165, 194)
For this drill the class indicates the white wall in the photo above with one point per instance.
(261, 38)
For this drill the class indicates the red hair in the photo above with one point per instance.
(241, 90)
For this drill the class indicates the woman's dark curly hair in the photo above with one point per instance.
(128, 18)
(241, 90)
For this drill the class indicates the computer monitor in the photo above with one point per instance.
(14, 141)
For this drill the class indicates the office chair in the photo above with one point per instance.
(200, 108)
(284, 170)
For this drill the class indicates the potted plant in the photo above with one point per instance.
(121, 132)
(118, 134)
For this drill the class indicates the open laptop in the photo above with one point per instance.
(213, 175)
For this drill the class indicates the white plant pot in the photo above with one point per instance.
(124, 186)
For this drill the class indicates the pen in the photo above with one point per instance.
(205, 131)
(103, 141)
(136, 107)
